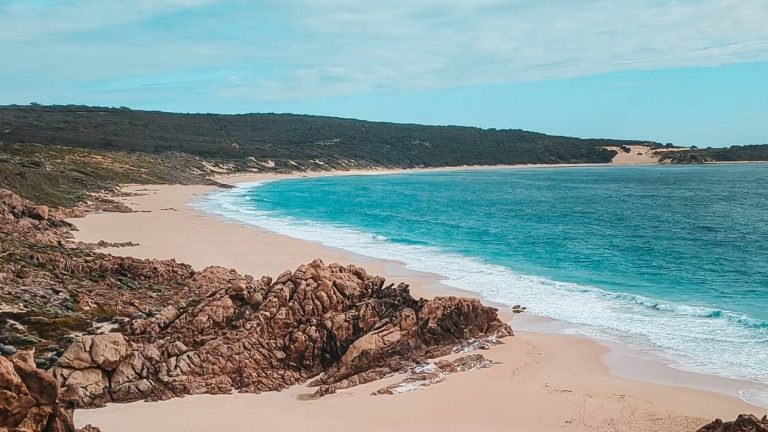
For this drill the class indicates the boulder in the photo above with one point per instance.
(743, 423)
(108, 349)
(85, 387)
(29, 398)
(78, 355)
(104, 351)
(254, 335)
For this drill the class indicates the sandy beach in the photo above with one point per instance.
(542, 382)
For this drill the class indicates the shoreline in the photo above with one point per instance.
(622, 360)
(186, 234)
(231, 179)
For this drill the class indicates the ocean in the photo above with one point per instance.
(668, 259)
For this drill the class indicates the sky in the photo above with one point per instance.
(690, 72)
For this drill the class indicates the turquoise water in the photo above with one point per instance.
(668, 258)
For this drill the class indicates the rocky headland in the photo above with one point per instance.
(80, 329)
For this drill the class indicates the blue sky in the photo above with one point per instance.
(691, 72)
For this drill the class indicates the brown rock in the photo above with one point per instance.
(29, 399)
(744, 423)
(464, 363)
(85, 387)
(424, 375)
(20, 217)
(42, 387)
(78, 355)
(254, 335)
(108, 349)
(38, 212)
(354, 380)
(15, 401)
(420, 376)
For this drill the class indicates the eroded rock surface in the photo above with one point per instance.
(118, 329)
(424, 375)
(744, 423)
(53, 291)
(21, 217)
(254, 335)
(29, 398)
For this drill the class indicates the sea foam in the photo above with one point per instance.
(692, 338)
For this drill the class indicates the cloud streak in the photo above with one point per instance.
(298, 49)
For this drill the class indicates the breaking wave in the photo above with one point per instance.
(692, 337)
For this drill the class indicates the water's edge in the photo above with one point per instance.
(626, 358)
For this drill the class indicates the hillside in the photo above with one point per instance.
(65, 176)
(302, 139)
(57, 155)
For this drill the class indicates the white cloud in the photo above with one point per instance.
(313, 48)
(459, 42)
(24, 20)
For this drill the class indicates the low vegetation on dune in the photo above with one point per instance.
(65, 176)
(753, 153)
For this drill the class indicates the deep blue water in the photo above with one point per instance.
(670, 258)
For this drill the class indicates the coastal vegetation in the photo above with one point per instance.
(58, 155)
(66, 176)
(753, 153)
(81, 328)
(290, 140)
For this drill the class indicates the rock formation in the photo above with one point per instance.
(424, 375)
(29, 398)
(744, 423)
(52, 290)
(119, 329)
(20, 217)
(101, 244)
(255, 335)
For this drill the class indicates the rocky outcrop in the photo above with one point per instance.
(424, 375)
(119, 329)
(102, 244)
(51, 294)
(47, 225)
(431, 329)
(40, 223)
(84, 368)
(254, 335)
(29, 398)
(97, 203)
(53, 290)
(744, 423)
